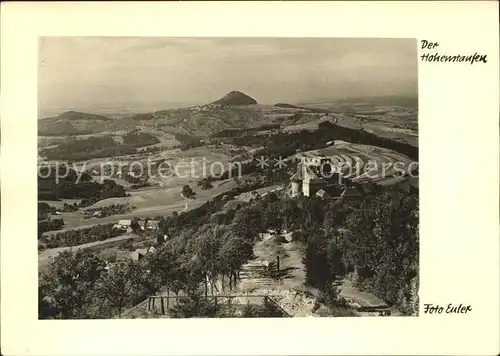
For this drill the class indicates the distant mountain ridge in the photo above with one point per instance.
(390, 100)
(235, 110)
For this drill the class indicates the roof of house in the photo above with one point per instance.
(321, 193)
(123, 255)
(150, 222)
(353, 191)
(142, 251)
(124, 222)
(306, 172)
(134, 255)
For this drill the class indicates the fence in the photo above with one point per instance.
(229, 301)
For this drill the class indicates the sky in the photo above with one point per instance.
(86, 72)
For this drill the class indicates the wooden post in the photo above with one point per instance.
(149, 303)
(215, 302)
(162, 306)
(153, 302)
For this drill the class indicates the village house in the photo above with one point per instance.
(132, 255)
(125, 225)
(149, 225)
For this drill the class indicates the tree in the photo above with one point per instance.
(248, 222)
(148, 278)
(273, 217)
(208, 244)
(205, 184)
(66, 287)
(334, 256)
(134, 225)
(162, 265)
(194, 306)
(291, 214)
(234, 252)
(187, 192)
(115, 286)
(316, 261)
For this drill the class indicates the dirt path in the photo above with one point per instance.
(363, 299)
(287, 290)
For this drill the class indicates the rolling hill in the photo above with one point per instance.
(72, 123)
(237, 110)
(234, 110)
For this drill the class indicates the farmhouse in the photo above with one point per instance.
(123, 224)
(149, 225)
(145, 225)
(131, 255)
(139, 254)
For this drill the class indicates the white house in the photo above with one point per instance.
(123, 224)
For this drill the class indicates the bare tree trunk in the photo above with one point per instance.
(211, 283)
(214, 286)
(206, 287)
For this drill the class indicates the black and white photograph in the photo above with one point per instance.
(227, 177)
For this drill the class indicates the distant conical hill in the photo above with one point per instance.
(235, 98)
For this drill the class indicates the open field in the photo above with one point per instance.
(149, 202)
(163, 197)
(398, 129)
(45, 256)
(401, 127)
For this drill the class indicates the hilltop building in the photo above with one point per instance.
(314, 174)
(317, 176)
